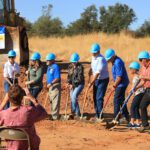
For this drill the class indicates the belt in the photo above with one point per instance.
(13, 80)
(103, 79)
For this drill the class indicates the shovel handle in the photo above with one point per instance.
(107, 100)
(46, 100)
(66, 107)
(85, 96)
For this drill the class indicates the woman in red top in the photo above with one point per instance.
(144, 59)
(19, 116)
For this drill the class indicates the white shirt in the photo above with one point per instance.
(10, 69)
(99, 65)
(139, 90)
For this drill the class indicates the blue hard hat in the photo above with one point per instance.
(134, 65)
(11, 53)
(74, 57)
(95, 48)
(50, 56)
(35, 56)
(109, 53)
(144, 55)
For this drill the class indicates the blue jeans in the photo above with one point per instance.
(74, 93)
(99, 90)
(135, 106)
(6, 89)
(119, 98)
(34, 92)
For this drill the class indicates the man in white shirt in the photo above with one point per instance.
(11, 70)
(100, 79)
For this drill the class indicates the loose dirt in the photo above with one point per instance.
(77, 135)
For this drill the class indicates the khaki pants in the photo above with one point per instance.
(54, 97)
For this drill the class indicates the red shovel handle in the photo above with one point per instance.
(108, 98)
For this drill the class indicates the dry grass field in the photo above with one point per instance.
(125, 46)
(75, 134)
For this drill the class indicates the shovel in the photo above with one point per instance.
(112, 124)
(66, 116)
(107, 100)
(82, 111)
(47, 97)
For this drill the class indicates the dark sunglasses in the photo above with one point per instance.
(140, 60)
(11, 57)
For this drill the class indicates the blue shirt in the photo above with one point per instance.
(99, 65)
(119, 70)
(53, 72)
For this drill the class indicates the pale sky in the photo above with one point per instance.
(69, 10)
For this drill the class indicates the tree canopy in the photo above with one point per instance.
(112, 19)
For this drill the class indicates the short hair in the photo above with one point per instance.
(15, 94)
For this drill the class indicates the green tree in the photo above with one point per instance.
(45, 25)
(116, 18)
(144, 30)
(87, 23)
(29, 27)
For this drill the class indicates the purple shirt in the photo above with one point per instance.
(25, 117)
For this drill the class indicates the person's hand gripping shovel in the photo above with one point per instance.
(112, 124)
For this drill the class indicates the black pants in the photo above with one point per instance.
(143, 106)
(135, 106)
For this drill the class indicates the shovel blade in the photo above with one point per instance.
(110, 125)
(65, 117)
(83, 118)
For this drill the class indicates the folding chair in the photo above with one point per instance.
(14, 134)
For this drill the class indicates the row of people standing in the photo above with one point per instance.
(100, 80)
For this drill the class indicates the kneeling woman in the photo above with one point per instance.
(76, 82)
(18, 116)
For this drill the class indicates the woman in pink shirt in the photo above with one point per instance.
(19, 116)
(144, 59)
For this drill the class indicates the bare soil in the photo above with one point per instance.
(78, 135)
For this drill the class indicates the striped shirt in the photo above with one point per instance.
(139, 90)
(145, 71)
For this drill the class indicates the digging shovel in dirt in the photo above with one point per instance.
(66, 116)
(83, 106)
(107, 100)
(112, 124)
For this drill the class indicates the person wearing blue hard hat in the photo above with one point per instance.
(53, 80)
(144, 58)
(135, 121)
(120, 85)
(75, 80)
(100, 79)
(35, 74)
(11, 72)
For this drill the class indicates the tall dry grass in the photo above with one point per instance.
(125, 46)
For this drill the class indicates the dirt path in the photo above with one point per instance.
(81, 136)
